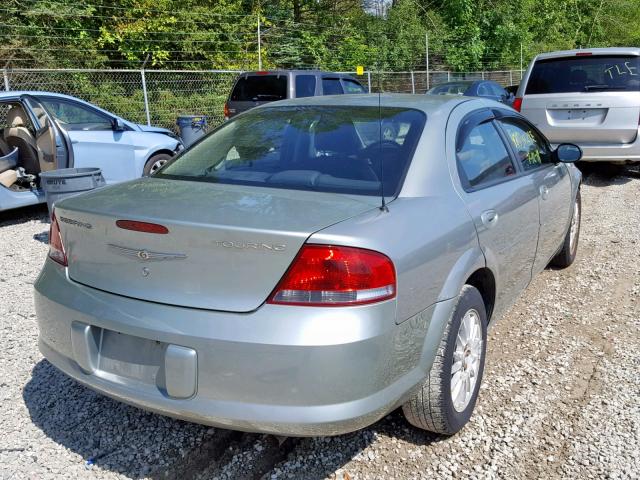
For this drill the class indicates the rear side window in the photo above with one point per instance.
(4, 110)
(331, 86)
(320, 148)
(351, 86)
(594, 73)
(449, 89)
(482, 156)
(259, 88)
(531, 149)
(305, 86)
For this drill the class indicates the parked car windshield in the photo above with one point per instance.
(256, 88)
(323, 148)
(593, 73)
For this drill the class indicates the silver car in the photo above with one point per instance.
(587, 97)
(297, 272)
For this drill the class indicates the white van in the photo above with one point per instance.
(587, 97)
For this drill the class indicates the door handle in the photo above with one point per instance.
(489, 218)
(544, 192)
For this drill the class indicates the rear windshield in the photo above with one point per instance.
(260, 88)
(321, 148)
(585, 74)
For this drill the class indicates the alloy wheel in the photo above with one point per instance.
(467, 357)
(575, 225)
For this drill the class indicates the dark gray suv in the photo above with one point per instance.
(256, 88)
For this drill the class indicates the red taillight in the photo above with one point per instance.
(225, 110)
(263, 72)
(56, 248)
(583, 54)
(517, 104)
(142, 226)
(324, 275)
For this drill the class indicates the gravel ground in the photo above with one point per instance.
(560, 399)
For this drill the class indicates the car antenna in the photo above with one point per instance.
(383, 205)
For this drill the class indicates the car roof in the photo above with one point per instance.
(295, 72)
(594, 51)
(35, 93)
(457, 82)
(426, 103)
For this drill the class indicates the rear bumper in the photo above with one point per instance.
(618, 152)
(286, 370)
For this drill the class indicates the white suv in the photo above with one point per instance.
(587, 97)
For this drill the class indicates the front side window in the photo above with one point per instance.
(321, 148)
(351, 86)
(483, 90)
(482, 156)
(591, 73)
(531, 149)
(74, 116)
(496, 90)
(305, 86)
(331, 86)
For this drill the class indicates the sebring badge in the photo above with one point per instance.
(146, 255)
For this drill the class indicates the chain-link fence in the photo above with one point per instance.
(158, 97)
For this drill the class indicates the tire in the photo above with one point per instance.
(569, 249)
(155, 162)
(432, 406)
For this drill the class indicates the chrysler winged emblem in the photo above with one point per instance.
(146, 255)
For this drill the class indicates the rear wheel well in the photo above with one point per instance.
(484, 281)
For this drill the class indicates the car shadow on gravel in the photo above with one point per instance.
(605, 175)
(319, 458)
(105, 433)
(135, 443)
(24, 215)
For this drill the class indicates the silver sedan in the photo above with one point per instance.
(311, 265)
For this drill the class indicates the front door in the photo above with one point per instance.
(52, 144)
(94, 140)
(552, 182)
(502, 202)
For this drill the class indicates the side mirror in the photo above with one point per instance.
(117, 125)
(568, 153)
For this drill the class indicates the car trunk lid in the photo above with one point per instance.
(226, 248)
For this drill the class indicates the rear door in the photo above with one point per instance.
(502, 202)
(585, 99)
(94, 141)
(552, 181)
(252, 90)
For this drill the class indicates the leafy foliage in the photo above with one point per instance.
(331, 34)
